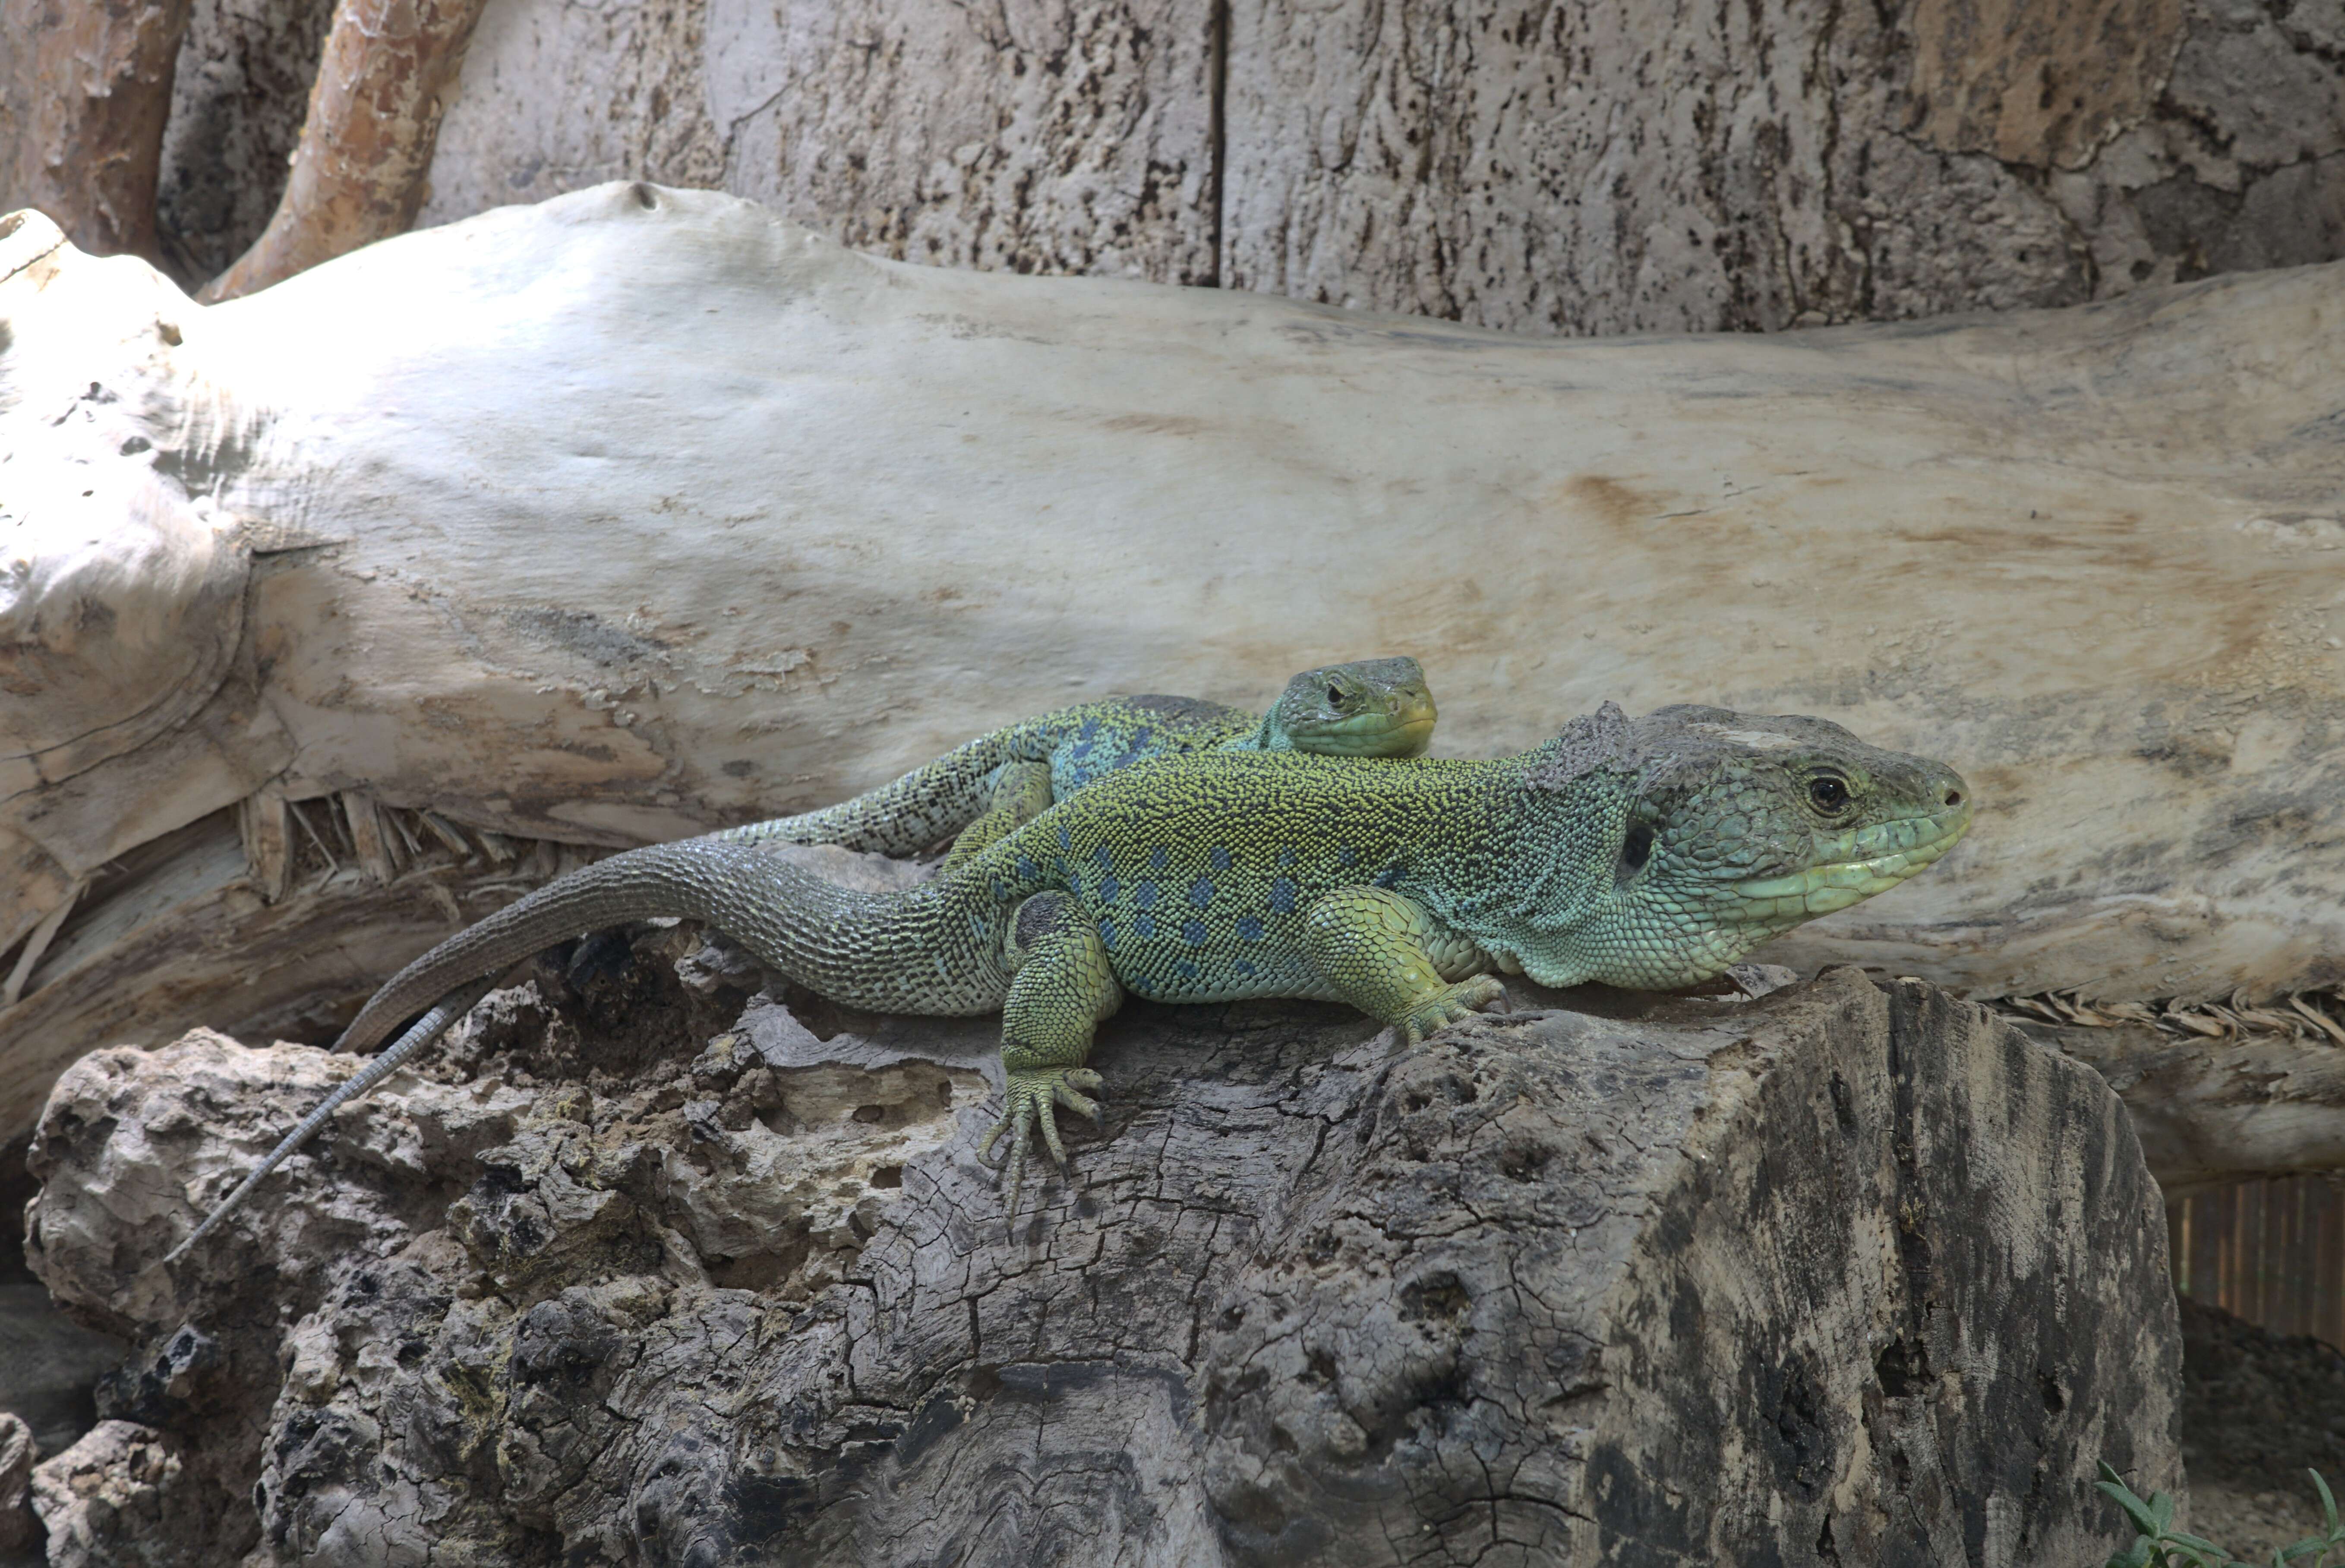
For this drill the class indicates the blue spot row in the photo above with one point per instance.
(1201, 892)
(1192, 931)
(1282, 896)
(1219, 858)
(1144, 895)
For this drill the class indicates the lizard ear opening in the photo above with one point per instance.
(1635, 850)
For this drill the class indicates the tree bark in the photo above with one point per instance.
(86, 100)
(360, 169)
(1844, 1273)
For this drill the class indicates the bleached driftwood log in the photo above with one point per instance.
(641, 512)
(1845, 1274)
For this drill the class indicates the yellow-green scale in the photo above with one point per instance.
(1200, 878)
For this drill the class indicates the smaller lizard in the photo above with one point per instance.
(988, 786)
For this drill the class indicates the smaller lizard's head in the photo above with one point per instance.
(1740, 828)
(1368, 708)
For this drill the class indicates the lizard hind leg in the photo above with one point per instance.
(1061, 988)
(1386, 955)
(1021, 792)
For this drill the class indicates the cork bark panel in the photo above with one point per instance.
(1023, 136)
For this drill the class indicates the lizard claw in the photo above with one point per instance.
(1029, 1099)
(1473, 993)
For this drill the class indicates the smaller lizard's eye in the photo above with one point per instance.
(1830, 794)
(1335, 697)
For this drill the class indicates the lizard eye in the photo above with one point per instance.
(1335, 697)
(1830, 794)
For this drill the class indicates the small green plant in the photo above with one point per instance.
(2159, 1545)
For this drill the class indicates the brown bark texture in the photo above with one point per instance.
(1597, 165)
(85, 91)
(366, 148)
(1844, 1274)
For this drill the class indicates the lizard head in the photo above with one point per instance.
(1733, 828)
(1369, 708)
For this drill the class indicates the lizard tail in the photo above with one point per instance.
(924, 950)
(935, 949)
(926, 806)
(441, 1013)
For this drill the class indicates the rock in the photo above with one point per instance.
(1842, 1273)
(18, 1450)
(120, 1498)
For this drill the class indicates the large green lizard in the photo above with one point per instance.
(1650, 853)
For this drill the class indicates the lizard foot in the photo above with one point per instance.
(1473, 993)
(1033, 1095)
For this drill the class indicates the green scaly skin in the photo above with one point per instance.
(1651, 854)
(982, 790)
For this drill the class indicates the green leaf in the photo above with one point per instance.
(2161, 1508)
(2133, 1556)
(2328, 1502)
(2135, 1508)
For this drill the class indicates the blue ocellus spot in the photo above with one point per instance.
(1109, 889)
(1285, 856)
(1387, 877)
(1347, 855)
(1218, 858)
(1105, 856)
(1192, 931)
(1282, 896)
(1201, 892)
(1107, 935)
(1241, 968)
(1249, 928)
(1066, 839)
(1143, 927)
(1158, 857)
(1027, 870)
(1144, 895)
(1185, 970)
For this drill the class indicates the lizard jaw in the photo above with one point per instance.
(1886, 854)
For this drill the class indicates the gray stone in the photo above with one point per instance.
(1839, 1274)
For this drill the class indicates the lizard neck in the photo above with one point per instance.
(1534, 861)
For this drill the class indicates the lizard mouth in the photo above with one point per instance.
(1404, 731)
(1873, 859)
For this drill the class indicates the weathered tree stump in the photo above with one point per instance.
(1842, 1274)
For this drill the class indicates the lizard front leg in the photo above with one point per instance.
(1378, 950)
(1061, 987)
(1021, 792)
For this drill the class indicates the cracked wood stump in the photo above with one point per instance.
(642, 1274)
